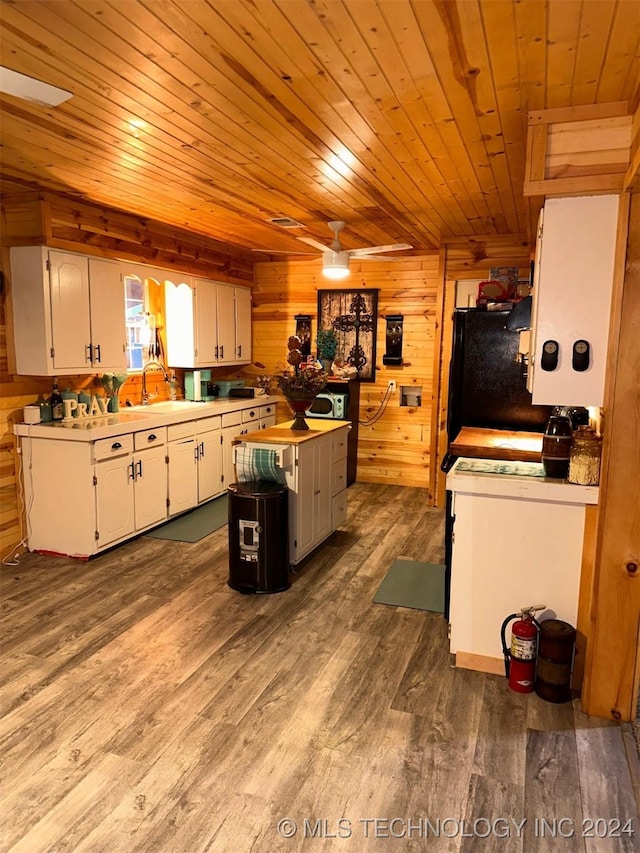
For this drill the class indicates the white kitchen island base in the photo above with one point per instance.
(517, 541)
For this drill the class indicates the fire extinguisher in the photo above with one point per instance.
(520, 658)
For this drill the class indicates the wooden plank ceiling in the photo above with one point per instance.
(406, 119)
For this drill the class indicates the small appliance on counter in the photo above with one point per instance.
(198, 386)
(225, 386)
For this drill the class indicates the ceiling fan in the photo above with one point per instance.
(335, 259)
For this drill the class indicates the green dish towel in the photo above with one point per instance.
(257, 463)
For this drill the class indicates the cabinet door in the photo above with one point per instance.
(108, 326)
(180, 323)
(206, 320)
(323, 492)
(302, 503)
(243, 324)
(183, 475)
(226, 323)
(150, 469)
(572, 297)
(228, 471)
(114, 499)
(70, 316)
(209, 465)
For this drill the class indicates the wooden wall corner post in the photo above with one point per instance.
(436, 486)
(612, 670)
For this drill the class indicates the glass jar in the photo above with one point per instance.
(556, 447)
(584, 459)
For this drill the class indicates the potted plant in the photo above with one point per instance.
(300, 384)
(327, 343)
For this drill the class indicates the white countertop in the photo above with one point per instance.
(137, 418)
(523, 480)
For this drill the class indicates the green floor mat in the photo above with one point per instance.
(412, 584)
(194, 525)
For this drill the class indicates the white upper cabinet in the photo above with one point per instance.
(572, 300)
(68, 313)
(243, 323)
(208, 323)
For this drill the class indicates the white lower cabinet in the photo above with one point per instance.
(84, 495)
(131, 489)
(195, 463)
(209, 457)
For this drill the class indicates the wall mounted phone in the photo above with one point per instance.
(581, 355)
(550, 353)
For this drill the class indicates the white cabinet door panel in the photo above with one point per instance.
(70, 316)
(108, 328)
(183, 476)
(150, 468)
(114, 499)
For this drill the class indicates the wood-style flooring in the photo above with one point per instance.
(146, 706)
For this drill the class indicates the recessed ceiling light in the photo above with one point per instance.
(30, 89)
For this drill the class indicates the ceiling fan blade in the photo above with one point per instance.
(311, 242)
(372, 250)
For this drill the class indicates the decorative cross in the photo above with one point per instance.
(357, 320)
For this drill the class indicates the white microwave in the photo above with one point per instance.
(329, 405)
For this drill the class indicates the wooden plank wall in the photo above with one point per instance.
(396, 449)
(612, 673)
(34, 218)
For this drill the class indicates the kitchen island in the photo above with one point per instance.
(314, 462)
(517, 541)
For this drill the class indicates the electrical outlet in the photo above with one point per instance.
(391, 385)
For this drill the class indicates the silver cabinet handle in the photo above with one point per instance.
(96, 354)
(89, 352)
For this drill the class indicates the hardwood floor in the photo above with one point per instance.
(148, 707)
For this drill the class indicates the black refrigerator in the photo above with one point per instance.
(487, 389)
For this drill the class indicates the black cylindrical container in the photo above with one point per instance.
(556, 643)
(258, 537)
(556, 447)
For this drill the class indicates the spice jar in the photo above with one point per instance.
(556, 446)
(584, 458)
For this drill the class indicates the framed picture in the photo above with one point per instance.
(352, 314)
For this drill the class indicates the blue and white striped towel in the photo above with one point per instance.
(257, 463)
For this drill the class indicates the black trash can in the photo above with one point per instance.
(258, 537)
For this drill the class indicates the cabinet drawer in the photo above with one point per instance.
(338, 476)
(339, 510)
(249, 415)
(107, 448)
(178, 431)
(207, 425)
(268, 411)
(149, 438)
(231, 419)
(339, 445)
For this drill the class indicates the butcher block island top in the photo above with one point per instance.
(283, 434)
(497, 444)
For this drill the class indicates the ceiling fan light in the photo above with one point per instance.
(335, 265)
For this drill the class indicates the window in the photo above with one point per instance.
(137, 332)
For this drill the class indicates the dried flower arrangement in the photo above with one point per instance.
(305, 380)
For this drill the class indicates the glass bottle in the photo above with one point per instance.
(584, 460)
(55, 401)
(556, 447)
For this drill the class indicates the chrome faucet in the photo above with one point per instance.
(145, 394)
